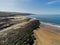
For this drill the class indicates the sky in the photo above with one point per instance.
(31, 6)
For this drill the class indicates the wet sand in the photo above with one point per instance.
(47, 35)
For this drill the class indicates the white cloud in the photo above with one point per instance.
(53, 2)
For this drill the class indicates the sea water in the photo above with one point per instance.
(53, 20)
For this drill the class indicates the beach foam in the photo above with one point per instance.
(50, 24)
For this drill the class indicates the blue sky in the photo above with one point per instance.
(31, 6)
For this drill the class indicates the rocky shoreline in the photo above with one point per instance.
(17, 30)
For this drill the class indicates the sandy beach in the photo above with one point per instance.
(47, 35)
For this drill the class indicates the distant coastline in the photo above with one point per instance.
(13, 14)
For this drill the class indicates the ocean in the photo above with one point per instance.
(53, 20)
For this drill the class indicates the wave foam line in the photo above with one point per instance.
(50, 24)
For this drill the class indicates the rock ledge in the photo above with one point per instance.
(17, 30)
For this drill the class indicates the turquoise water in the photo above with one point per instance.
(53, 19)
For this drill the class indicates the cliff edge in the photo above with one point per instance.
(17, 30)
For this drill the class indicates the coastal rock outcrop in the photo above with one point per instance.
(17, 30)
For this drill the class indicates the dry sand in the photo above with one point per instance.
(47, 35)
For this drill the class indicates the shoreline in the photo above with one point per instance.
(50, 24)
(47, 34)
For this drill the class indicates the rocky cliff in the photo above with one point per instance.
(17, 30)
